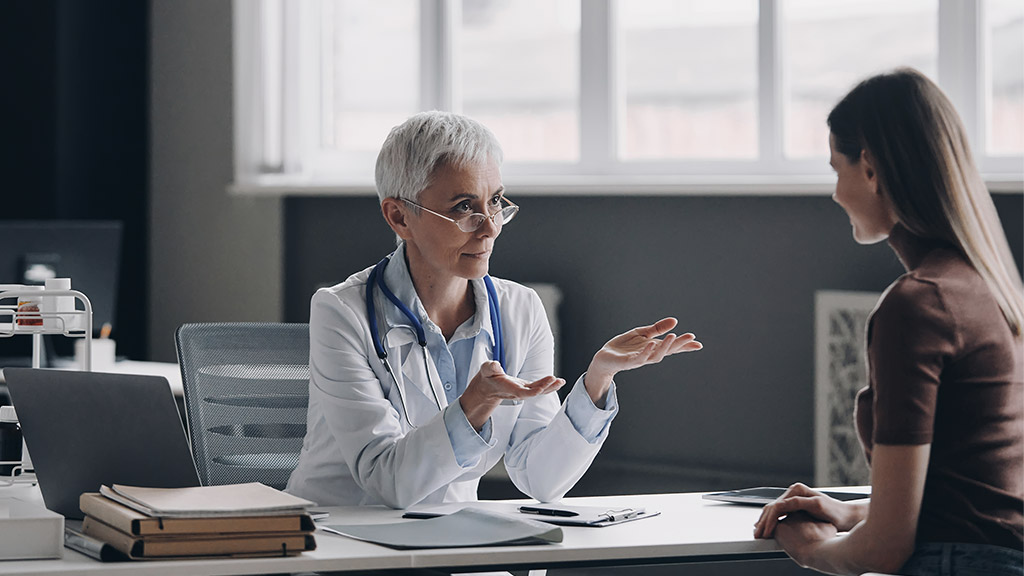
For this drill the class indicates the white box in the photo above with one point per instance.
(27, 530)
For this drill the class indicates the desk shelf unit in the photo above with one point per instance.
(43, 319)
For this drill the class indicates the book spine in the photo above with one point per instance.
(263, 544)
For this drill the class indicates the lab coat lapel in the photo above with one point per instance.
(482, 354)
(402, 345)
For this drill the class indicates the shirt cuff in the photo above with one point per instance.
(589, 420)
(467, 444)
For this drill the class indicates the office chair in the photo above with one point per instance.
(246, 392)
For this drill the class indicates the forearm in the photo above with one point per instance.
(860, 550)
(597, 384)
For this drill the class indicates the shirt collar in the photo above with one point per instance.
(398, 279)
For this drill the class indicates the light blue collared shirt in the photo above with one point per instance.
(453, 362)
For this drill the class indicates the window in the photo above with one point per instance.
(608, 96)
(830, 45)
(1004, 81)
(689, 75)
(519, 75)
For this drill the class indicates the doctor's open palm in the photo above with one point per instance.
(629, 350)
(638, 347)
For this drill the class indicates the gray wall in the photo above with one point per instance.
(214, 257)
(740, 272)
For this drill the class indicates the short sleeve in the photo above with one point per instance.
(912, 337)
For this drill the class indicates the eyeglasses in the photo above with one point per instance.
(471, 222)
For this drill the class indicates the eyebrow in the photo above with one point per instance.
(468, 196)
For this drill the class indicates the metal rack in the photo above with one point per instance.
(37, 322)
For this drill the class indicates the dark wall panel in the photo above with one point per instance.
(74, 111)
(740, 272)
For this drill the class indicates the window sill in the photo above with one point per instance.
(604, 185)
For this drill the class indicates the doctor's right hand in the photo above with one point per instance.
(491, 385)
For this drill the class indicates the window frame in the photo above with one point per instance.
(287, 115)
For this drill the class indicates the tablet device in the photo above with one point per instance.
(765, 495)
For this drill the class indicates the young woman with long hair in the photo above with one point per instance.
(942, 419)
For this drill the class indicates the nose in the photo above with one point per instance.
(490, 226)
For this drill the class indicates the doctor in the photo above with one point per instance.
(424, 371)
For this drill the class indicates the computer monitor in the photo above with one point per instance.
(87, 251)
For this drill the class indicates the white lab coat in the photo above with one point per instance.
(360, 448)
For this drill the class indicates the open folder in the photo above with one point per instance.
(466, 527)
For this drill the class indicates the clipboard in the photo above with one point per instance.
(551, 513)
(597, 516)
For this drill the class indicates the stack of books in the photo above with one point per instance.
(230, 520)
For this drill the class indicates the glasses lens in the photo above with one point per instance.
(471, 223)
(507, 214)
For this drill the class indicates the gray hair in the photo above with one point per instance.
(416, 148)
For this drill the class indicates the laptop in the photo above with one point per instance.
(86, 429)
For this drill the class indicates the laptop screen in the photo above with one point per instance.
(86, 429)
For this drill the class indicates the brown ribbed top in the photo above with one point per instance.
(945, 370)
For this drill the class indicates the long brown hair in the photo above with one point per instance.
(924, 164)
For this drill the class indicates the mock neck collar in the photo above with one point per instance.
(911, 248)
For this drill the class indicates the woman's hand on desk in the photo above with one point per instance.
(799, 498)
(491, 385)
(799, 534)
(638, 347)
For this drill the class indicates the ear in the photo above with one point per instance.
(395, 215)
(867, 165)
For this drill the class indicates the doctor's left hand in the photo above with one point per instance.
(638, 347)
(491, 385)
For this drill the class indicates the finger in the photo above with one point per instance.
(543, 382)
(765, 525)
(491, 369)
(658, 328)
(644, 353)
(691, 346)
(798, 489)
(770, 522)
(783, 506)
(662, 349)
(553, 386)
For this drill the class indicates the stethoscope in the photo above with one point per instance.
(377, 277)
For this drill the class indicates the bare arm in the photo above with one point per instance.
(885, 539)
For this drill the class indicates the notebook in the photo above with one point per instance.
(87, 429)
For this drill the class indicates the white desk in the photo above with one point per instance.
(688, 530)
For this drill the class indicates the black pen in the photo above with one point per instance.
(546, 511)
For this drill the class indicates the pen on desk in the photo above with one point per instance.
(105, 330)
(546, 511)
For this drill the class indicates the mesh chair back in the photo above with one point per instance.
(246, 392)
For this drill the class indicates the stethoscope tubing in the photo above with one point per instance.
(377, 278)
